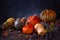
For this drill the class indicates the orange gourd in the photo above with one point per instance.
(48, 15)
(27, 29)
(33, 19)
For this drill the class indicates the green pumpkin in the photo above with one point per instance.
(19, 24)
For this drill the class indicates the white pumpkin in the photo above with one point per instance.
(39, 28)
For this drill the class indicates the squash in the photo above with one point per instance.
(33, 19)
(39, 28)
(10, 20)
(27, 29)
(48, 15)
(9, 23)
(19, 23)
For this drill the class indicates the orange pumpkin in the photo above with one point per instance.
(33, 19)
(27, 29)
(48, 15)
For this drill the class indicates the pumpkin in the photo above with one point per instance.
(10, 20)
(19, 23)
(6, 25)
(27, 29)
(9, 23)
(33, 19)
(48, 15)
(39, 28)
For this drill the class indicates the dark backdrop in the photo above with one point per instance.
(21, 8)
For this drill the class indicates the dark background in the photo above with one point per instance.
(24, 8)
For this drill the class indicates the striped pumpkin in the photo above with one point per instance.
(48, 15)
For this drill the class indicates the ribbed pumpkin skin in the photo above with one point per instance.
(33, 19)
(48, 15)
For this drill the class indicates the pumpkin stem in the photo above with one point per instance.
(34, 15)
(23, 18)
(47, 11)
